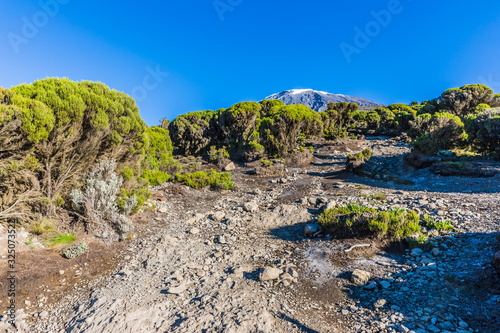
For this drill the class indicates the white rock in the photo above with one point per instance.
(360, 277)
(230, 167)
(270, 273)
(250, 207)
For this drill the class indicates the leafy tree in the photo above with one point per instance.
(462, 101)
(445, 131)
(281, 130)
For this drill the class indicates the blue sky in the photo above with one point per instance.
(181, 56)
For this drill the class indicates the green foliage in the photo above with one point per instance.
(217, 155)
(285, 127)
(127, 173)
(337, 118)
(363, 155)
(266, 163)
(156, 177)
(42, 227)
(484, 131)
(270, 103)
(444, 225)
(61, 239)
(200, 179)
(464, 100)
(355, 219)
(443, 131)
(255, 146)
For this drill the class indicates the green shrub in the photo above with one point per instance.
(200, 179)
(217, 155)
(363, 155)
(155, 177)
(444, 132)
(266, 163)
(42, 227)
(355, 219)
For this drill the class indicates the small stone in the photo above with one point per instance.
(194, 231)
(43, 314)
(385, 284)
(250, 207)
(371, 286)
(218, 216)
(270, 273)
(61, 272)
(416, 252)
(286, 276)
(311, 229)
(178, 290)
(380, 303)
(435, 252)
(360, 277)
(257, 191)
(163, 209)
(230, 167)
(220, 239)
(292, 272)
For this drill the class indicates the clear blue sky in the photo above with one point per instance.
(248, 49)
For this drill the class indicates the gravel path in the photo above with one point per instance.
(238, 261)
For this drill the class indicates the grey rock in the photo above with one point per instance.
(218, 216)
(230, 167)
(251, 207)
(360, 277)
(379, 303)
(416, 252)
(311, 229)
(270, 273)
(385, 284)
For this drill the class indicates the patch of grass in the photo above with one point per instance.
(43, 227)
(363, 155)
(200, 179)
(444, 225)
(266, 163)
(377, 196)
(356, 219)
(60, 239)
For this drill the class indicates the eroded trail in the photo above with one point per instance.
(198, 268)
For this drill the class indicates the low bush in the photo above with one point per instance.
(96, 201)
(42, 227)
(354, 219)
(75, 250)
(362, 156)
(201, 179)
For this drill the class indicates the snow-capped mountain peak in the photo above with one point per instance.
(317, 100)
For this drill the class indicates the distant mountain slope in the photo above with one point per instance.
(317, 100)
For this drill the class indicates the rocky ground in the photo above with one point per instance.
(240, 260)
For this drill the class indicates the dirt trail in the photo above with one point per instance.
(197, 265)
